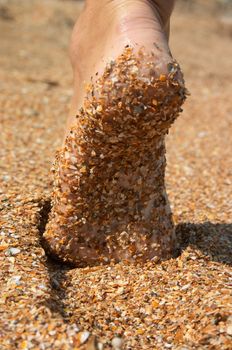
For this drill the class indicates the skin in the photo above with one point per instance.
(105, 27)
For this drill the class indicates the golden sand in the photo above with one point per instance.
(182, 303)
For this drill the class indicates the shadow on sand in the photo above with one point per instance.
(213, 240)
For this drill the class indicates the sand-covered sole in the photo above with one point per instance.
(109, 199)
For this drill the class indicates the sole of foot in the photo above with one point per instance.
(109, 201)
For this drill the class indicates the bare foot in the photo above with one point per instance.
(109, 200)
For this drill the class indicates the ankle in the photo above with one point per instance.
(163, 9)
(134, 13)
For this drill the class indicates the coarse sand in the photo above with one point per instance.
(183, 303)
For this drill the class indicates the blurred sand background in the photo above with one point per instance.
(181, 304)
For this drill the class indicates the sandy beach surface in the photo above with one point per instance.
(183, 303)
